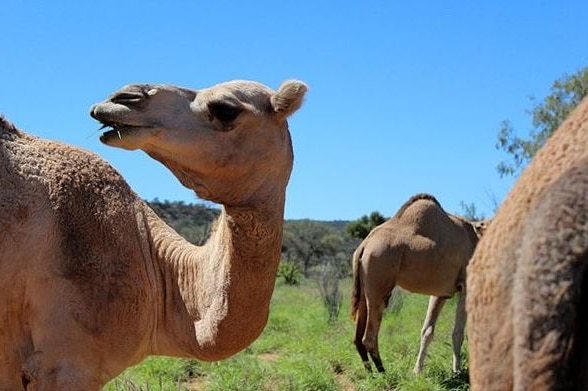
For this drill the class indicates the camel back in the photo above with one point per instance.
(415, 198)
(356, 290)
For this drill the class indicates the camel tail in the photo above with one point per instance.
(356, 290)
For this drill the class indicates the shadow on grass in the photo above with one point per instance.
(457, 381)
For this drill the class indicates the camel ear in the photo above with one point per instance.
(190, 94)
(481, 226)
(288, 98)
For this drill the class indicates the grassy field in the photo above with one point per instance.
(300, 350)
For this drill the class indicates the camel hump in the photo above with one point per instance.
(415, 198)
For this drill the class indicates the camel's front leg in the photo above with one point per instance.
(44, 373)
(64, 355)
(458, 330)
(435, 306)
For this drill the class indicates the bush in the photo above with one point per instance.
(396, 301)
(329, 288)
(290, 272)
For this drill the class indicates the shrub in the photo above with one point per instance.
(290, 272)
(329, 288)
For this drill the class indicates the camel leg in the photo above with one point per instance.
(375, 310)
(10, 367)
(62, 364)
(458, 330)
(360, 323)
(61, 380)
(43, 373)
(59, 360)
(435, 306)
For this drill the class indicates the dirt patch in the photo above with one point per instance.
(268, 357)
(196, 384)
(344, 383)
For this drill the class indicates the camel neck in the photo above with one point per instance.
(255, 234)
(216, 297)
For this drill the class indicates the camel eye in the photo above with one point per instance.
(224, 112)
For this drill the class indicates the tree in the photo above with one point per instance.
(303, 242)
(361, 227)
(566, 93)
(470, 211)
(192, 221)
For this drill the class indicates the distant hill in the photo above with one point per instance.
(192, 221)
(182, 215)
(310, 243)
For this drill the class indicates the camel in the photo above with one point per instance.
(424, 250)
(92, 281)
(527, 281)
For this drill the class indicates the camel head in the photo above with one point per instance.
(481, 226)
(230, 142)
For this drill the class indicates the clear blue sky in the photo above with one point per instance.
(404, 97)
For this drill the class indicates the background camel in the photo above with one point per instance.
(92, 281)
(423, 249)
(527, 281)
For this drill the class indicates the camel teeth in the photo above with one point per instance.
(119, 136)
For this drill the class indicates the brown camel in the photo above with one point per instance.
(423, 249)
(527, 281)
(92, 281)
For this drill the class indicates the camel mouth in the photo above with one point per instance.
(118, 132)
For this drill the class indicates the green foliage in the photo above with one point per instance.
(329, 290)
(470, 211)
(302, 242)
(566, 93)
(361, 227)
(290, 272)
(299, 351)
(192, 221)
(162, 373)
(245, 375)
(396, 301)
(313, 243)
(306, 243)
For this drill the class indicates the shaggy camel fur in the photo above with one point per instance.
(527, 281)
(423, 249)
(92, 281)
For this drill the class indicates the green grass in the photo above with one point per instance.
(300, 350)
